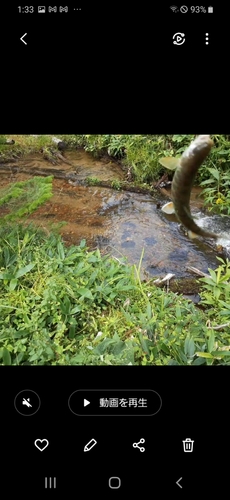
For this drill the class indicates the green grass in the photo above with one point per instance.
(69, 306)
(140, 154)
(24, 144)
(64, 306)
(23, 198)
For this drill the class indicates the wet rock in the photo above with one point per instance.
(6, 141)
(128, 243)
(101, 241)
(150, 241)
(195, 298)
(60, 144)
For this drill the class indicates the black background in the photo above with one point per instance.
(194, 405)
(114, 68)
(115, 29)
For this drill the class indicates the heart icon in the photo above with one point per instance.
(41, 444)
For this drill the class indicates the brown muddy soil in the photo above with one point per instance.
(119, 222)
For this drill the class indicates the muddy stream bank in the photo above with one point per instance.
(122, 223)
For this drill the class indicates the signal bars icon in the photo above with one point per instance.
(174, 8)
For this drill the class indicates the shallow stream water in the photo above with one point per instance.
(120, 222)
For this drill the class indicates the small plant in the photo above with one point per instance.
(68, 305)
(216, 288)
(92, 181)
(23, 198)
(115, 184)
(216, 200)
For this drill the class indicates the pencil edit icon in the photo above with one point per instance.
(90, 445)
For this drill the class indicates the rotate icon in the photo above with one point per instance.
(178, 38)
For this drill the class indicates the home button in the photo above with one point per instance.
(114, 482)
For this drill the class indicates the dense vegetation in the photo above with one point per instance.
(142, 154)
(22, 198)
(71, 305)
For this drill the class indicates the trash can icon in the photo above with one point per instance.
(188, 445)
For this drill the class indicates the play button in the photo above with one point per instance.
(86, 402)
(114, 402)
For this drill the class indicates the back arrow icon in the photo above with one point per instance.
(178, 482)
(22, 38)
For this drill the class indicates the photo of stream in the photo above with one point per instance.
(89, 254)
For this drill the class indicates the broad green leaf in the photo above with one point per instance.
(82, 243)
(149, 311)
(24, 270)
(215, 173)
(20, 333)
(93, 258)
(93, 276)
(216, 293)
(223, 152)
(198, 361)
(221, 354)
(224, 304)
(6, 276)
(72, 256)
(85, 293)
(13, 284)
(75, 310)
(60, 250)
(208, 281)
(178, 312)
(165, 348)
(189, 347)
(144, 344)
(101, 348)
(208, 181)
(34, 357)
(79, 359)
(211, 341)
(118, 348)
(19, 357)
(80, 270)
(204, 355)
(65, 306)
(49, 352)
(212, 274)
(72, 331)
(6, 356)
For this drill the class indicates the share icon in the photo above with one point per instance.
(136, 445)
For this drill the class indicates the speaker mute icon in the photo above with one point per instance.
(50, 482)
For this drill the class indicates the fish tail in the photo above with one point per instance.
(190, 224)
(183, 180)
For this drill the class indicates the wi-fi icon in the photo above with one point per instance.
(173, 8)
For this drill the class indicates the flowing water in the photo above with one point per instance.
(120, 222)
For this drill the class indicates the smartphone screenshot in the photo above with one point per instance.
(114, 251)
(88, 29)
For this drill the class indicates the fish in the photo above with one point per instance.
(186, 168)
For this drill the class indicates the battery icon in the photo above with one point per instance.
(210, 10)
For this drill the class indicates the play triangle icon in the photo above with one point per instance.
(86, 402)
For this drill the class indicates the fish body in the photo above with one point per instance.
(183, 179)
